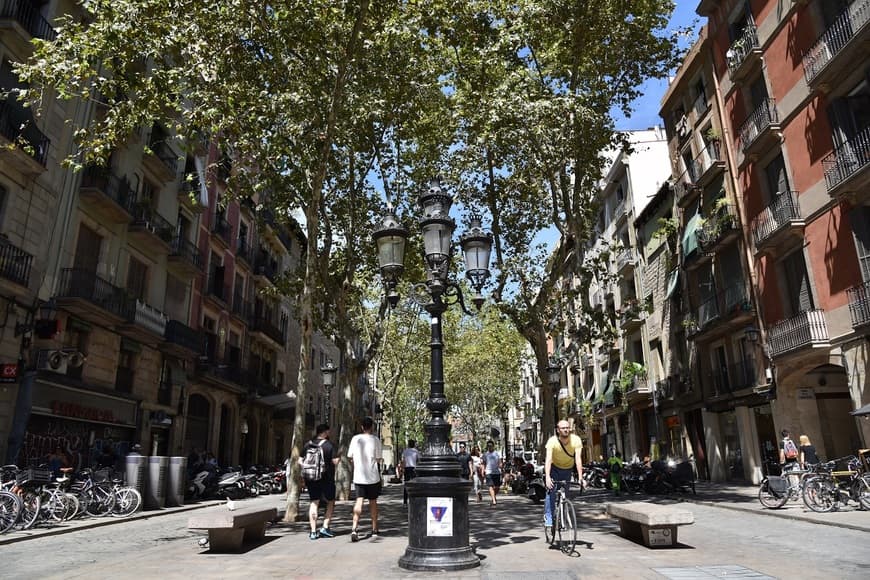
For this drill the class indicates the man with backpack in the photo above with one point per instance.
(788, 452)
(318, 471)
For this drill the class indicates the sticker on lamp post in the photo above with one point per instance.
(439, 516)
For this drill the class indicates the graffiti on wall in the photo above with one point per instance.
(80, 442)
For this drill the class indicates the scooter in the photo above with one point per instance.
(537, 491)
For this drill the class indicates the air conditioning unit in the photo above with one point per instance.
(58, 361)
(52, 360)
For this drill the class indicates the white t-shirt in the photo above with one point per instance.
(491, 460)
(475, 464)
(410, 456)
(365, 451)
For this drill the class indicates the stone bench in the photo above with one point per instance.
(654, 525)
(228, 530)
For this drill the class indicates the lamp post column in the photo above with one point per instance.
(437, 497)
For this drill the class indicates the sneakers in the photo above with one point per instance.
(313, 535)
(354, 537)
(326, 533)
(376, 533)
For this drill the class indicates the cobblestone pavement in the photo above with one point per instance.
(739, 541)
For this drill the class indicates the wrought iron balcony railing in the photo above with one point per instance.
(179, 333)
(859, 304)
(115, 188)
(835, 38)
(18, 127)
(187, 250)
(847, 159)
(782, 211)
(149, 318)
(26, 13)
(741, 48)
(804, 330)
(764, 116)
(734, 377)
(15, 263)
(146, 217)
(85, 284)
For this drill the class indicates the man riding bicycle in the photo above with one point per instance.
(563, 451)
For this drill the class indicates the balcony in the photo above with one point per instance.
(221, 229)
(29, 145)
(706, 7)
(93, 299)
(718, 230)
(267, 329)
(185, 258)
(15, 266)
(625, 262)
(150, 230)
(216, 289)
(724, 312)
(144, 323)
(686, 187)
(711, 164)
(743, 54)
(21, 22)
(620, 213)
(734, 377)
(266, 269)
(244, 253)
(779, 226)
(760, 131)
(241, 307)
(182, 341)
(225, 372)
(190, 193)
(859, 304)
(162, 160)
(109, 195)
(806, 330)
(835, 53)
(846, 168)
(631, 315)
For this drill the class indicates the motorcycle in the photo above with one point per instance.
(537, 490)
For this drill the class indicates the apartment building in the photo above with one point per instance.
(793, 81)
(141, 303)
(613, 375)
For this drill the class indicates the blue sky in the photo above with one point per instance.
(647, 107)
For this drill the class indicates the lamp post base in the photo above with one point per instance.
(438, 525)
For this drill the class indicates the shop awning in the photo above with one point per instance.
(690, 235)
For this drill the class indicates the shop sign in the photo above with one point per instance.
(8, 372)
(67, 409)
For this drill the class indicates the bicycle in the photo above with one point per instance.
(775, 491)
(830, 488)
(564, 528)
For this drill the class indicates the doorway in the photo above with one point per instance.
(767, 440)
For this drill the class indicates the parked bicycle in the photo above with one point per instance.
(831, 488)
(776, 490)
(563, 532)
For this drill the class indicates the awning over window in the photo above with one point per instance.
(673, 278)
(690, 235)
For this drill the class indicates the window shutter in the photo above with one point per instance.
(860, 218)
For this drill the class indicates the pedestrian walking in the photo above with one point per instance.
(788, 452)
(321, 486)
(464, 462)
(615, 467)
(492, 465)
(477, 471)
(409, 467)
(365, 453)
(807, 452)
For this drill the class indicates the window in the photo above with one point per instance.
(860, 219)
(280, 381)
(798, 296)
(175, 301)
(850, 115)
(124, 373)
(137, 279)
(88, 249)
(776, 178)
(4, 195)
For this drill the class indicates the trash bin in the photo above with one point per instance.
(134, 472)
(155, 489)
(176, 482)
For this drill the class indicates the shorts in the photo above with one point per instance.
(322, 489)
(368, 490)
(493, 479)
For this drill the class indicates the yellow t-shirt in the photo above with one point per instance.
(561, 459)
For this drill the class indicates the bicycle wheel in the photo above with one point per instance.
(127, 502)
(10, 509)
(100, 502)
(567, 528)
(768, 499)
(75, 507)
(861, 491)
(820, 494)
(30, 507)
(55, 505)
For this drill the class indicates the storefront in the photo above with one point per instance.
(82, 423)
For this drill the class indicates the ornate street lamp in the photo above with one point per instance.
(327, 373)
(438, 497)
